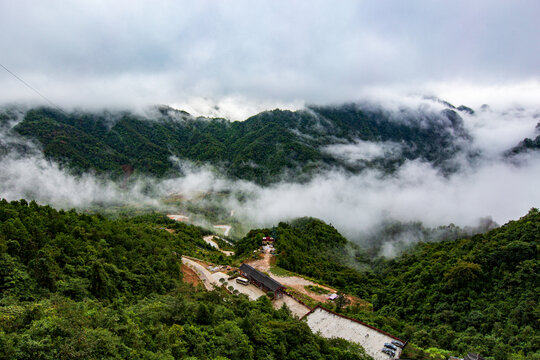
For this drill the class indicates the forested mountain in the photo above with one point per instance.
(64, 275)
(261, 148)
(78, 286)
(479, 293)
(526, 145)
(61, 270)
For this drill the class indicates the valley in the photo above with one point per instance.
(277, 180)
(190, 230)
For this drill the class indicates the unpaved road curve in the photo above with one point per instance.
(210, 240)
(226, 228)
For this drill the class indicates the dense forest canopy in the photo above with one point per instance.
(258, 149)
(479, 293)
(79, 286)
(65, 275)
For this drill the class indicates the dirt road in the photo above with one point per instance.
(190, 276)
(225, 228)
(210, 240)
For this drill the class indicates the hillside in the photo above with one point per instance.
(77, 286)
(473, 294)
(61, 268)
(481, 292)
(260, 149)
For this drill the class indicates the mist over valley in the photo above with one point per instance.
(357, 166)
(262, 180)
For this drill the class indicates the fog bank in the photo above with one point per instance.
(356, 204)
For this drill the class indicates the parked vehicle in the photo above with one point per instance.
(390, 346)
(388, 352)
(242, 281)
(398, 343)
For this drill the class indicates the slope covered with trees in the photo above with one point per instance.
(78, 286)
(472, 294)
(261, 148)
(481, 292)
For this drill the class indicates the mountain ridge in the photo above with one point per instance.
(260, 148)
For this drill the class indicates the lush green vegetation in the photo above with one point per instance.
(480, 293)
(83, 286)
(472, 294)
(316, 289)
(77, 286)
(261, 148)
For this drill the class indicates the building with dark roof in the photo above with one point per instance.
(261, 280)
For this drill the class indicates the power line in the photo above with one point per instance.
(33, 89)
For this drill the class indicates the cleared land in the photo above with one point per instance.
(296, 308)
(189, 275)
(252, 292)
(295, 282)
(204, 275)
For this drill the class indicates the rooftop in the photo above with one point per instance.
(261, 278)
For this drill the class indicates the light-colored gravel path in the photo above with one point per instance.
(225, 228)
(250, 290)
(210, 240)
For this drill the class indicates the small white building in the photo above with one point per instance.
(332, 325)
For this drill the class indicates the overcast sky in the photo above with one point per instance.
(260, 54)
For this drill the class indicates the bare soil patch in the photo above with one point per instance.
(189, 276)
(263, 263)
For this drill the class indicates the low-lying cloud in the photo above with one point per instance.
(417, 192)
(356, 204)
(360, 151)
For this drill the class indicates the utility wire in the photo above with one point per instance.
(33, 89)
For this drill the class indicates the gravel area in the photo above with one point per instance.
(250, 290)
(294, 306)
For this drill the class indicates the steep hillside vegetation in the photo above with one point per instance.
(74, 286)
(474, 294)
(259, 149)
(479, 293)
(526, 145)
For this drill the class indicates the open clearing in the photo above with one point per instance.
(211, 278)
(189, 275)
(178, 217)
(252, 292)
(225, 228)
(296, 282)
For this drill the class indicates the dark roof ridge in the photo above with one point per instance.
(270, 283)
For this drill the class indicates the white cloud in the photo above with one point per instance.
(359, 151)
(94, 53)
(355, 204)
